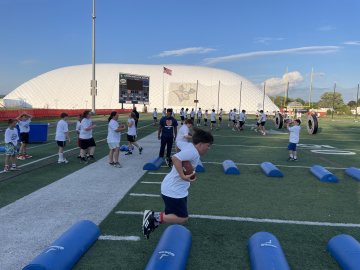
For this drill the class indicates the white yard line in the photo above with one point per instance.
(144, 195)
(119, 238)
(259, 220)
(160, 173)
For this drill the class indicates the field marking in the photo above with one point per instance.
(259, 220)
(157, 173)
(119, 238)
(280, 138)
(286, 166)
(145, 182)
(54, 155)
(144, 195)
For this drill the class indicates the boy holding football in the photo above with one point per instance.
(174, 187)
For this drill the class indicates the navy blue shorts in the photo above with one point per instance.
(292, 146)
(175, 206)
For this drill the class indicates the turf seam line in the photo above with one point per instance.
(146, 182)
(144, 195)
(258, 220)
(119, 238)
(286, 166)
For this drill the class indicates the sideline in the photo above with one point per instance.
(259, 220)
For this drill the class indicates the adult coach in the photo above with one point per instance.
(137, 116)
(167, 133)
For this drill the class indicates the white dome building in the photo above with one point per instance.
(69, 88)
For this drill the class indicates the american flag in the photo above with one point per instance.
(168, 71)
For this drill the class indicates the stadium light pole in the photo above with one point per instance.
(357, 102)
(93, 82)
(333, 106)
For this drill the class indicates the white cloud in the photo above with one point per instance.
(326, 28)
(276, 85)
(300, 50)
(265, 40)
(352, 42)
(181, 52)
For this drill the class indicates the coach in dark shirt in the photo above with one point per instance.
(137, 116)
(167, 133)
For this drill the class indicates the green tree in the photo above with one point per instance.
(327, 99)
(300, 100)
(352, 104)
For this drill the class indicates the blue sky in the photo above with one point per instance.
(258, 39)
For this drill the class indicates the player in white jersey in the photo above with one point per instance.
(155, 116)
(24, 121)
(206, 116)
(113, 139)
(61, 135)
(261, 122)
(242, 119)
(87, 142)
(131, 135)
(220, 118)
(11, 139)
(199, 116)
(212, 119)
(293, 138)
(182, 115)
(183, 136)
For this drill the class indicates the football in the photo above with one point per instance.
(188, 168)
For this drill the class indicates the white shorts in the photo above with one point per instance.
(114, 145)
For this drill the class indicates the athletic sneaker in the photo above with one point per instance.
(290, 159)
(91, 158)
(128, 153)
(117, 165)
(140, 150)
(14, 168)
(111, 163)
(21, 157)
(84, 160)
(149, 223)
(63, 161)
(27, 156)
(294, 159)
(6, 169)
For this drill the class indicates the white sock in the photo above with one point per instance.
(61, 156)
(295, 157)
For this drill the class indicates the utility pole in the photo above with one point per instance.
(333, 106)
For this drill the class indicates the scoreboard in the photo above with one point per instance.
(133, 88)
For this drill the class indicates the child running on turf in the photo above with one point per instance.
(62, 133)
(131, 135)
(11, 138)
(24, 121)
(293, 138)
(183, 136)
(174, 187)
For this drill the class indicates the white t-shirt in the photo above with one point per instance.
(294, 134)
(24, 126)
(192, 113)
(11, 136)
(180, 138)
(182, 113)
(206, 115)
(199, 114)
(155, 114)
(232, 115)
(85, 134)
(173, 185)
(242, 117)
(61, 128)
(263, 118)
(78, 126)
(113, 136)
(132, 129)
(213, 116)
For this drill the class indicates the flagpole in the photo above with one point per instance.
(240, 96)
(264, 97)
(218, 97)
(163, 92)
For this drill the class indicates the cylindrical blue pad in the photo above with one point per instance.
(353, 172)
(266, 253)
(270, 170)
(172, 251)
(346, 251)
(323, 174)
(153, 165)
(230, 167)
(67, 249)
